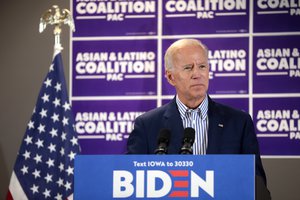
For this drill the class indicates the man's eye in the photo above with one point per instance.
(202, 66)
(187, 67)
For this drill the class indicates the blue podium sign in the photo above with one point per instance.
(165, 177)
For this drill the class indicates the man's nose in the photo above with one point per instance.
(196, 70)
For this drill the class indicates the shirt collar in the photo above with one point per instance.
(203, 107)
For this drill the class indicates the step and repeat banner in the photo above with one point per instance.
(117, 67)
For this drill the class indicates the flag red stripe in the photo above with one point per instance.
(8, 196)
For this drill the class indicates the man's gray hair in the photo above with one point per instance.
(176, 45)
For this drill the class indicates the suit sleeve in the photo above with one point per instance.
(137, 141)
(251, 146)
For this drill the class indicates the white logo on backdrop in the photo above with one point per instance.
(271, 7)
(115, 66)
(278, 123)
(278, 62)
(115, 10)
(205, 9)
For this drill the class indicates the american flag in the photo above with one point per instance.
(44, 167)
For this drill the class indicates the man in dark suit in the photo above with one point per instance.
(219, 129)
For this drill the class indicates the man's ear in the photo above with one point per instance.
(170, 77)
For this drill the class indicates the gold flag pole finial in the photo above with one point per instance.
(53, 16)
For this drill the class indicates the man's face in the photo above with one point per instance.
(190, 74)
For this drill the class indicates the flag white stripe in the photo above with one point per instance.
(15, 188)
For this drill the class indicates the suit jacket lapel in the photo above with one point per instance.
(172, 121)
(215, 128)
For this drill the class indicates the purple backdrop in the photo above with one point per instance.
(115, 18)
(118, 68)
(276, 60)
(278, 125)
(276, 16)
(204, 17)
(103, 126)
(107, 68)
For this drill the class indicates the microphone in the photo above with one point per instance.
(163, 141)
(188, 140)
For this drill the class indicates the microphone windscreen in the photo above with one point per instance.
(189, 134)
(164, 136)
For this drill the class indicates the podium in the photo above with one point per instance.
(204, 177)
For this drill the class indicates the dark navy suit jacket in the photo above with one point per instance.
(230, 131)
